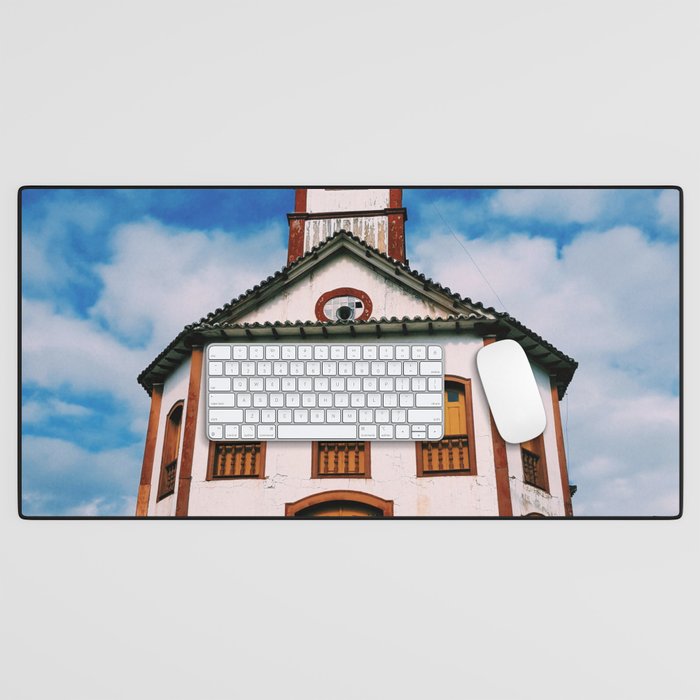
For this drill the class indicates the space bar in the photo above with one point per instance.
(317, 432)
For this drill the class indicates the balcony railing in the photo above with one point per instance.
(451, 454)
(341, 459)
(167, 481)
(531, 468)
(241, 459)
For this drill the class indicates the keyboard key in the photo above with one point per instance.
(252, 415)
(428, 400)
(240, 352)
(224, 415)
(341, 400)
(289, 352)
(418, 432)
(325, 400)
(406, 400)
(272, 352)
(321, 384)
(216, 431)
(369, 384)
(305, 384)
(391, 400)
(272, 384)
(434, 432)
(240, 384)
(329, 368)
(333, 415)
(301, 415)
(337, 352)
(357, 400)
(289, 384)
(317, 416)
(337, 384)
(398, 416)
(354, 384)
(410, 368)
(216, 368)
(345, 368)
(403, 384)
(402, 432)
(231, 432)
(308, 400)
(362, 369)
(374, 400)
(259, 400)
(430, 368)
(381, 415)
(418, 384)
(296, 368)
(386, 384)
(248, 368)
(219, 384)
(418, 352)
(386, 352)
(424, 416)
(434, 352)
(365, 416)
(280, 368)
(368, 432)
(248, 432)
(256, 384)
(317, 432)
(349, 415)
(403, 352)
(222, 400)
(276, 400)
(293, 400)
(266, 432)
(284, 415)
(232, 368)
(394, 368)
(386, 432)
(219, 352)
(353, 352)
(369, 352)
(265, 368)
(313, 369)
(305, 352)
(378, 368)
(243, 400)
(268, 415)
(256, 352)
(321, 352)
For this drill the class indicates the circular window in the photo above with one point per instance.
(344, 304)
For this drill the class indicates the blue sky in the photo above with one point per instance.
(593, 271)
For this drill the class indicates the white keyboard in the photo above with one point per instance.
(324, 392)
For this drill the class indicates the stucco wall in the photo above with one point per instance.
(298, 301)
(332, 200)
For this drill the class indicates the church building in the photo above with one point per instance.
(347, 280)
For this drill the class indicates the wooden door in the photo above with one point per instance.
(345, 509)
(455, 409)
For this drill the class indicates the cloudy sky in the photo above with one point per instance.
(111, 276)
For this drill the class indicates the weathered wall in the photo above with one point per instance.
(297, 302)
(331, 200)
(373, 230)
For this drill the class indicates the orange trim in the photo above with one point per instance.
(561, 452)
(500, 459)
(192, 409)
(149, 452)
(387, 507)
(350, 291)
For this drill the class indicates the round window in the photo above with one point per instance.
(344, 304)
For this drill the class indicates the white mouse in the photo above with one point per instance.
(511, 390)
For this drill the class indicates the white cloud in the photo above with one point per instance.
(161, 278)
(34, 412)
(668, 209)
(565, 206)
(609, 299)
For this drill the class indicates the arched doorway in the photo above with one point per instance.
(340, 504)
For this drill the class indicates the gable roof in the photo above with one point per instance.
(461, 313)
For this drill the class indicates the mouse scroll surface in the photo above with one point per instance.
(511, 391)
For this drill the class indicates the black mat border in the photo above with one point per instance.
(574, 518)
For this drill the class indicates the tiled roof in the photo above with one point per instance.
(484, 319)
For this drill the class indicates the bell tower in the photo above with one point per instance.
(376, 216)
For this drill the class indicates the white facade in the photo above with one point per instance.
(393, 465)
